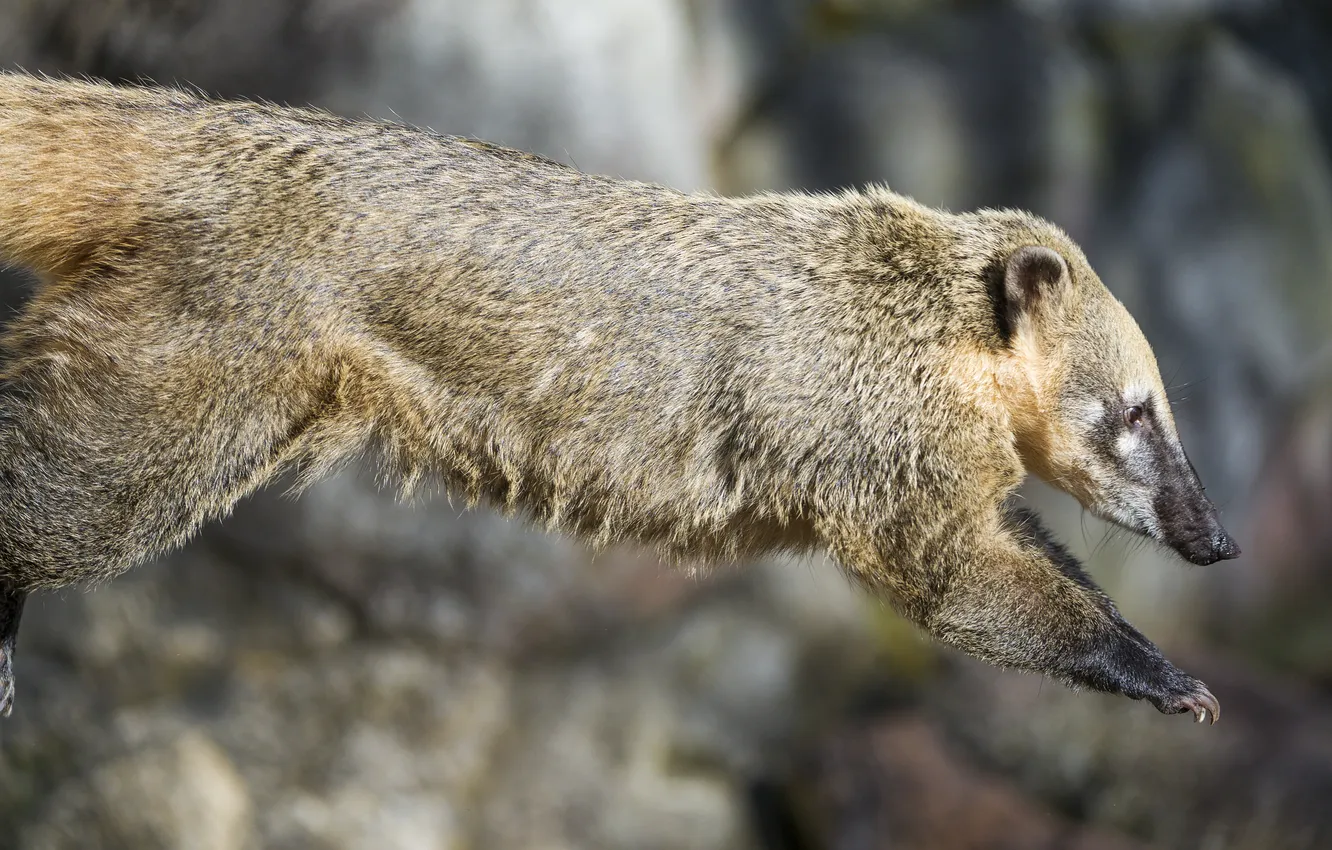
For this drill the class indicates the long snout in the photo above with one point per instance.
(1187, 520)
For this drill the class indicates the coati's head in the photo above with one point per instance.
(1089, 407)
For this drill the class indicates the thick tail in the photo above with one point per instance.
(78, 164)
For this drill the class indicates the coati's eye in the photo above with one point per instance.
(1133, 416)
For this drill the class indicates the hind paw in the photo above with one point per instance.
(6, 682)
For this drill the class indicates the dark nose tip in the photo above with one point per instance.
(1208, 549)
(1224, 546)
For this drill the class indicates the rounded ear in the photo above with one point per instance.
(1033, 276)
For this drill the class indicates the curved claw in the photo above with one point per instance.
(1201, 704)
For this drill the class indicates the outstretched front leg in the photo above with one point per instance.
(1018, 599)
(11, 609)
(1113, 657)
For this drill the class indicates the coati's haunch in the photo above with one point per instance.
(230, 289)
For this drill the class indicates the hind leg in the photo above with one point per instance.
(11, 609)
(128, 418)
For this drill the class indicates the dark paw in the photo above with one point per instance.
(1190, 696)
(1125, 662)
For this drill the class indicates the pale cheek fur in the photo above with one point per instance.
(1091, 412)
(1134, 500)
(1125, 446)
(1136, 461)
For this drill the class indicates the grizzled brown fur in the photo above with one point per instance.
(231, 289)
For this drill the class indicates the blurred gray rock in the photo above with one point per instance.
(898, 782)
(182, 794)
(1260, 778)
(254, 47)
(606, 84)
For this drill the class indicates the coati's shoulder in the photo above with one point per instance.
(943, 270)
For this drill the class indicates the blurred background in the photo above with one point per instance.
(344, 672)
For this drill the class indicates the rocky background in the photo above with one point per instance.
(344, 672)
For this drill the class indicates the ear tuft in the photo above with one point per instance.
(1032, 275)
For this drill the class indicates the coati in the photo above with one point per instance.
(231, 288)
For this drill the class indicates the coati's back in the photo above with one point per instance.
(617, 358)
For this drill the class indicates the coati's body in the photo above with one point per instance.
(230, 288)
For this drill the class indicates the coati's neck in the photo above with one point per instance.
(1019, 379)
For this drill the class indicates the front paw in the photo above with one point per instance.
(1188, 694)
(1125, 662)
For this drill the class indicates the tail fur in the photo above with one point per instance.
(76, 167)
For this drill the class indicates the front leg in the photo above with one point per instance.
(11, 610)
(1113, 657)
(1018, 599)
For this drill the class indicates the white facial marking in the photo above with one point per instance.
(1126, 442)
(1137, 394)
(1134, 506)
(1091, 412)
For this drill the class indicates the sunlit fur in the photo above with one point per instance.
(230, 289)
(1088, 363)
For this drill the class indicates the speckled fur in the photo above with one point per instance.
(231, 289)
